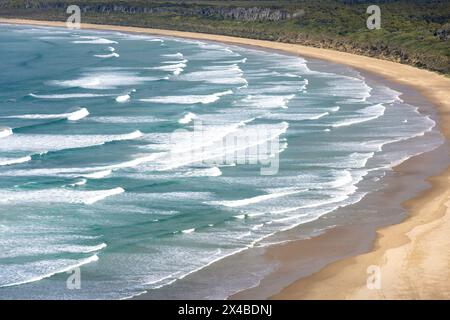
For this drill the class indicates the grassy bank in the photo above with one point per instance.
(413, 32)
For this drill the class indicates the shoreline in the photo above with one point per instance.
(343, 242)
(428, 213)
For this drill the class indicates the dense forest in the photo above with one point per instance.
(415, 32)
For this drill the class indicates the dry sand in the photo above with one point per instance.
(413, 256)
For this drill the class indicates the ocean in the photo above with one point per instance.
(129, 160)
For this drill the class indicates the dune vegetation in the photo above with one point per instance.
(415, 32)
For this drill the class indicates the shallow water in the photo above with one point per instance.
(101, 169)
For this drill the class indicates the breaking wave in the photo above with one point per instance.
(187, 118)
(5, 132)
(72, 116)
(188, 99)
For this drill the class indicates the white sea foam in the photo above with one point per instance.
(103, 195)
(123, 98)
(40, 30)
(266, 101)
(60, 195)
(72, 116)
(212, 172)
(126, 119)
(386, 95)
(343, 180)
(109, 55)
(351, 160)
(68, 95)
(78, 183)
(357, 160)
(278, 87)
(130, 136)
(90, 249)
(244, 60)
(55, 37)
(295, 116)
(104, 80)
(174, 55)
(176, 68)
(224, 75)
(94, 40)
(188, 99)
(183, 61)
(188, 230)
(28, 270)
(312, 205)
(98, 174)
(89, 172)
(50, 142)
(11, 161)
(187, 118)
(220, 68)
(126, 164)
(257, 199)
(77, 115)
(164, 161)
(352, 121)
(335, 109)
(318, 116)
(368, 114)
(376, 110)
(257, 227)
(41, 247)
(5, 132)
(209, 172)
(354, 160)
(214, 52)
(351, 88)
(211, 149)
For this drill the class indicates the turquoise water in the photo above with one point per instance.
(97, 165)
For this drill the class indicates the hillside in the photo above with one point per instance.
(413, 32)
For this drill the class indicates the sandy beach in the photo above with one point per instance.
(413, 256)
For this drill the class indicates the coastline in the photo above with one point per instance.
(419, 275)
(311, 259)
